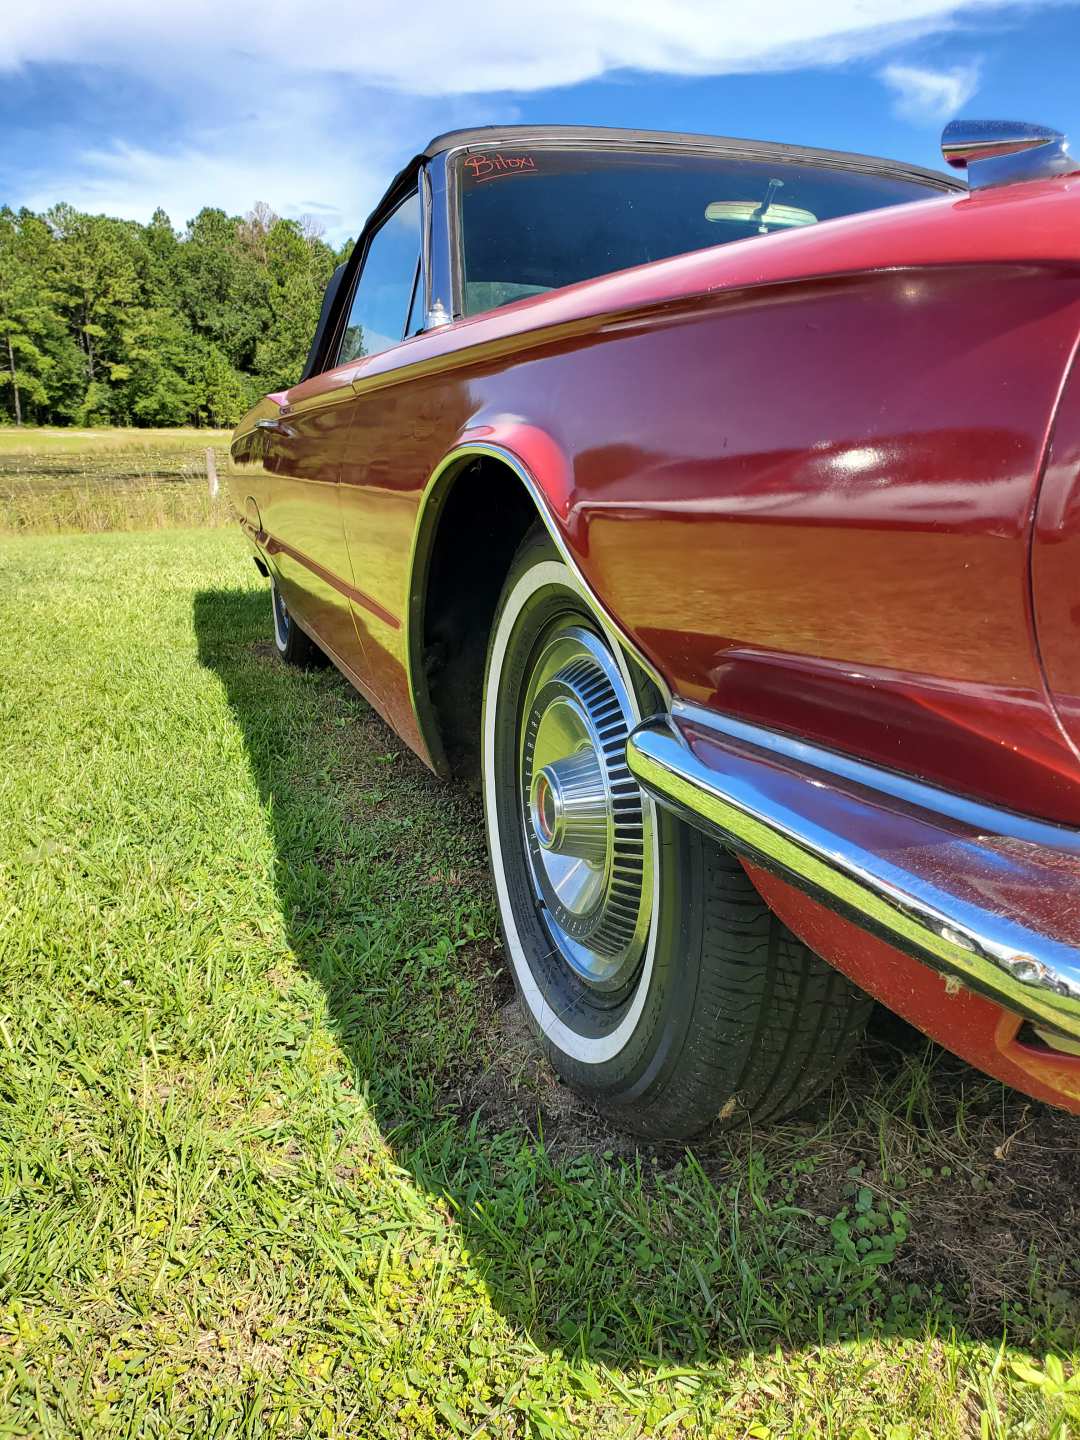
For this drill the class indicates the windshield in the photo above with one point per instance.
(536, 219)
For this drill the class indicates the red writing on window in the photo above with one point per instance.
(486, 167)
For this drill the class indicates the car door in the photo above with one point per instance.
(303, 448)
(386, 308)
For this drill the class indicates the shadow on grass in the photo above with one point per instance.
(918, 1197)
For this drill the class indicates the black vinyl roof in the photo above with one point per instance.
(586, 136)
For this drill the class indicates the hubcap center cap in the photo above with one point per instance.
(570, 807)
(547, 810)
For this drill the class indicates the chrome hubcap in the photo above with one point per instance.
(588, 831)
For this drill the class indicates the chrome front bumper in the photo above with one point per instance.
(980, 894)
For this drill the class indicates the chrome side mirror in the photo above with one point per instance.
(999, 152)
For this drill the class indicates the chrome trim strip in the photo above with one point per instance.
(930, 881)
(441, 278)
(434, 493)
(423, 185)
(979, 816)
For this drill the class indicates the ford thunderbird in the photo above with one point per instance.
(716, 506)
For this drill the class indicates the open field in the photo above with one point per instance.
(276, 1156)
(60, 480)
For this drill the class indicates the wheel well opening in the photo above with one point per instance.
(483, 519)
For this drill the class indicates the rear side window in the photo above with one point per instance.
(388, 280)
(536, 219)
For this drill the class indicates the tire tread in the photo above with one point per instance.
(772, 1025)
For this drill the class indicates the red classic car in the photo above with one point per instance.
(717, 504)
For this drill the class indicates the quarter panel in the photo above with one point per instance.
(807, 498)
(810, 505)
(247, 476)
(816, 515)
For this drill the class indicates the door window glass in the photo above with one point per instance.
(380, 305)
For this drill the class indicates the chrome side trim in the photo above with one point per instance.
(978, 894)
(976, 814)
(435, 492)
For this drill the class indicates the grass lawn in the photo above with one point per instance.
(55, 480)
(276, 1156)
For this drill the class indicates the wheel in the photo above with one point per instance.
(293, 645)
(660, 985)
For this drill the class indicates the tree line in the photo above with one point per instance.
(111, 322)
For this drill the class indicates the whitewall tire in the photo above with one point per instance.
(659, 984)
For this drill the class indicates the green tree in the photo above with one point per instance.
(225, 393)
(29, 324)
(222, 286)
(298, 267)
(110, 321)
(162, 247)
(158, 388)
(97, 273)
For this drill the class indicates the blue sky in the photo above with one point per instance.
(124, 105)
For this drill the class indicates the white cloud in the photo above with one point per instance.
(426, 48)
(930, 96)
(131, 181)
(224, 157)
(326, 150)
(313, 109)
